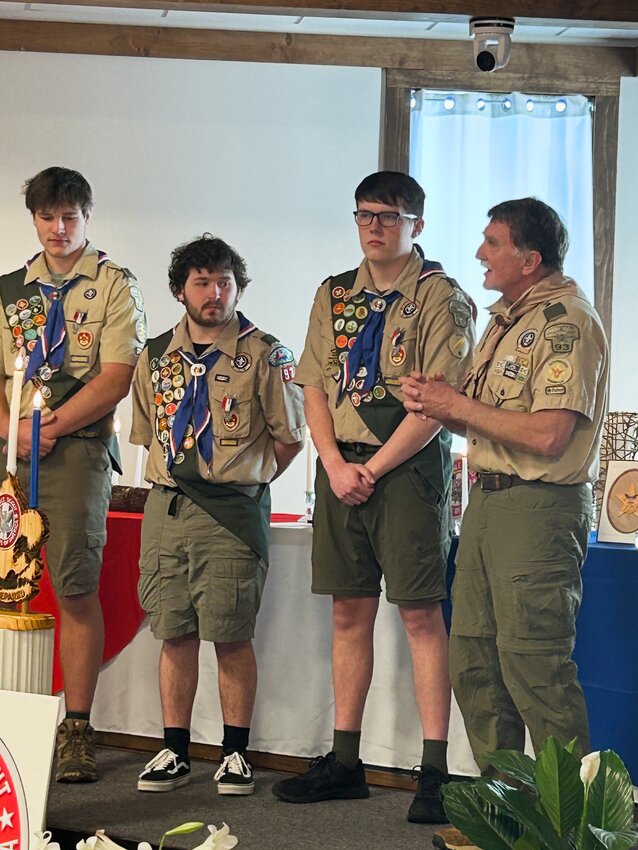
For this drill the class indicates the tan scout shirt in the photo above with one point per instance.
(435, 337)
(560, 363)
(269, 407)
(113, 329)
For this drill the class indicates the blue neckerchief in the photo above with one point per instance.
(52, 341)
(367, 346)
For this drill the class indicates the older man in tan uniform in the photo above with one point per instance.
(383, 480)
(215, 403)
(533, 412)
(79, 318)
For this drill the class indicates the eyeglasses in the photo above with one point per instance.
(364, 218)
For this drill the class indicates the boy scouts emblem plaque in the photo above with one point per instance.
(619, 517)
(14, 820)
(23, 532)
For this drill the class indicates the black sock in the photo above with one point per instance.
(235, 739)
(79, 715)
(345, 746)
(435, 753)
(177, 739)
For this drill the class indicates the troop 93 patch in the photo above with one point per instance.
(282, 358)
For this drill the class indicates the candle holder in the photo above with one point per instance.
(310, 507)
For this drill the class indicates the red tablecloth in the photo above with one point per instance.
(118, 589)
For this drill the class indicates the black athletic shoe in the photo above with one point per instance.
(164, 772)
(427, 806)
(235, 774)
(327, 779)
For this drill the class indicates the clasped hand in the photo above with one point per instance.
(429, 396)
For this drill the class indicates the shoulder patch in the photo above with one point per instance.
(554, 311)
(280, 356)
(269, 339)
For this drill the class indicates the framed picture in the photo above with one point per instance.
(619, 513)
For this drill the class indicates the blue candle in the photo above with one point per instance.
(35, 451)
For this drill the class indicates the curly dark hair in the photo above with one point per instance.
(206, 252)
(534, 226)
(56, 186)
(394, 188)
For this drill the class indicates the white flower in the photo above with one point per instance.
(144, 845)
(44, 841)
(99, 841)
(589, 766)
(219, 839)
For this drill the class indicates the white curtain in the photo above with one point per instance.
(471, 151)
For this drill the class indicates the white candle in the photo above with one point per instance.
(465, 483)
(14, 415)
(309, 463)
(115, 476)
(139, 466)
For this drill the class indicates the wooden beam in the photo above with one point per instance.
(596, 69)
(600, 11)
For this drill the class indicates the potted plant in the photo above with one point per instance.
(554, 803)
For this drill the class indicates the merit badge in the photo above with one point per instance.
(362, 372)
(90, 293)
(367, 397)
(525, 341)
(352, 326)
(562, 336)
(32, 344)
(171, 409)
(179, 458)
(176, 369)
(355, 398)
(163, 424)
(19, 341)
(231, 421)
(338, 308)
(410, 309)
(174, 357)
(168, 396)
(339, 324)
(24, 314)
(341, 341)
(338, 292)
(242, 362)
(178, 380)
(17, 330)
(164, 360)
(14, 320)
(85, 339)
(349, 311)
(559, 372)
(378, 305)
(197, 370)
(166, 384)
(379, 392)
(165, 372)
(27, 324)
(351, 341)
(37, 309)
(347, 295)
(361, 312)
(155, 376)
(154, 364)
(343, 356)
(46, 392)
(11, 309)
(178, 395)
(22, 304)
(161, 410)
(280, 356)
(458, 345)
(45, 373)
(39, 319)
(189, 442)
(398, 355)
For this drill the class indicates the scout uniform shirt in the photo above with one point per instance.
(251, 397)
(104, 317)
(554, 357)
(428, 329)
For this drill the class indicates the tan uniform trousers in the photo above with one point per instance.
(515, 599)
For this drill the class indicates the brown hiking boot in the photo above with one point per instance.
(75, 752)
(451, 839)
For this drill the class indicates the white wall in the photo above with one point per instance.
(624, 383)
(265, 156)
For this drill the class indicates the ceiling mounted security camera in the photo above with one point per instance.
(492, 40)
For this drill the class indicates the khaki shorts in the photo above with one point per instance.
(401, 533)
(518, 566)
(195, 575)
(74, 493)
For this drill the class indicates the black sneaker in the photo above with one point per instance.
(327, 779)
(164, 772)
(235, 775)
(427, 806)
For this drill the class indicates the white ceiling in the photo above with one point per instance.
(431, 26)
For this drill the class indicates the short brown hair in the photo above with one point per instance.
(56, 186)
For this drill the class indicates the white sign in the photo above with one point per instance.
(28, 725)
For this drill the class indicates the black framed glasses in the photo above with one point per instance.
(364, 218)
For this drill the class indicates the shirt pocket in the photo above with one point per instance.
(232, 423)
(398, 353)
(506, 392)
(82, 346)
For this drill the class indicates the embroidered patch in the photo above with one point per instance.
(459, 345)
(562, 337)
(558, 371)
(460, 311)
(410, 309)
(90, 293)
(398, 355)
(242, 362)
(141, 330)
(556, 389)
(85, 339)
(280, 356)
(525, 341)
(228, 441)
(553, 311)
(288, 373)
(223, 379)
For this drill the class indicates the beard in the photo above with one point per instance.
(205, 319)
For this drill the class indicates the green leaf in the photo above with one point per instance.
(481, 822)
(616, 840)
(527, 842)
(609, 802)
(559, 787)
(522, 808)
(515, 764)
(185, 828)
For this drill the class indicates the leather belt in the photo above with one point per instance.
(358, 448)
(501, 481)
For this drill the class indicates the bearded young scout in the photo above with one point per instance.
(533, 409)
(383, 481)
(214, 402)
(79, 318)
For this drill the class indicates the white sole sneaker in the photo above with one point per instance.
(164, 785)
(238, 790)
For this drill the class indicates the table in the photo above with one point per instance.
(294, 706)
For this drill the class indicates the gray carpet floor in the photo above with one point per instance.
(260, 821)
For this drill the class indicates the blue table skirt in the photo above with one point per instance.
(606, 651)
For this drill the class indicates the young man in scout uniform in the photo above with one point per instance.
(79, 319)
(383, 480)
(215, 405)
(532, 408)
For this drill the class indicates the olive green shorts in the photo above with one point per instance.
(518, 566)
(401, 533)
(195, 575)
(74, 493)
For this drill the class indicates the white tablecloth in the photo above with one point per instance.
(294, 711)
